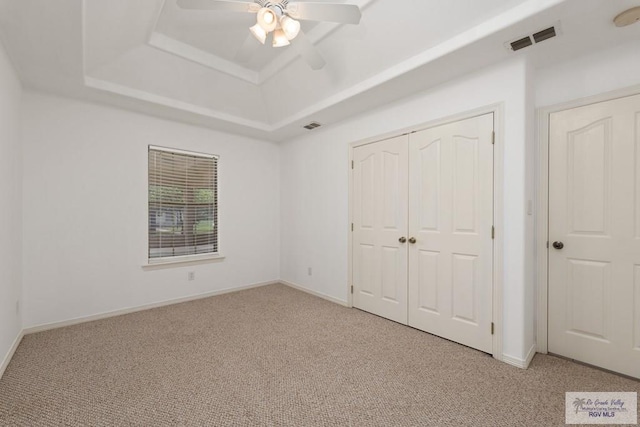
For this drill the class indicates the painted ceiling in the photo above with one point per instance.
(154, 57)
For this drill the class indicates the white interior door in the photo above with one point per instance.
(594, 221)
(451, 219)
(380, 222)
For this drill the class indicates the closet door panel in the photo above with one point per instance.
(380, 190)
(450, 217)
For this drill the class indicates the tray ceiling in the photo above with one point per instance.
(154, 57)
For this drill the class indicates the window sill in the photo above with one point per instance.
(159, 263)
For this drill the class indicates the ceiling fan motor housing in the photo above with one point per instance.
(278, 7)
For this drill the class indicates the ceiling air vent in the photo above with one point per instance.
(312, 125)
(544, 34)
(521, 44)
(535, 38)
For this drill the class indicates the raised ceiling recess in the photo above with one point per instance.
(159, 58)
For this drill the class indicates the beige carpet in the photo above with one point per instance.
(275, 356)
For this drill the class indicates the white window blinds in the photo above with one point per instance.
(183, 203)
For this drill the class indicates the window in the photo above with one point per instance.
(183, 204)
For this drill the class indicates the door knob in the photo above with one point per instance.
(402, 239)
(412, 240)
(558, 245)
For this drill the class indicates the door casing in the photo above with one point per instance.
(498, 203)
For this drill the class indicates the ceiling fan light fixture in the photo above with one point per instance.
(290, 26)
(267, 19)
(259, 33)
(280, 39)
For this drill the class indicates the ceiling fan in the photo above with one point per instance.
(280, 17)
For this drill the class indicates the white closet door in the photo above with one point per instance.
(380, 221)
(594, 221)
(451, 218)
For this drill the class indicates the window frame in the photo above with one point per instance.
(191, 258)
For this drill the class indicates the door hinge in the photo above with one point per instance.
(351, 164)
(493, 232)
(547, 244)
(493, 137)
(351, 226)
(492, 328)
(351, 288)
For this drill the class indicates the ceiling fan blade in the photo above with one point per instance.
(330, 12)
(223, 5)
(308, 51)
(249, 47)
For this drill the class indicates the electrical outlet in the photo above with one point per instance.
(17, 306)
(309, 271)
(191, 275)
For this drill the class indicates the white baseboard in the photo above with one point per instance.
(9, 355)
(315, 293)
(531, 355)
(520, 363)
(84, 319)
(106, 315)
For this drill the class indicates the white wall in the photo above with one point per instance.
(314, 188)
(10, 207)
(599, 72)
(85, 210)
(530, 295)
